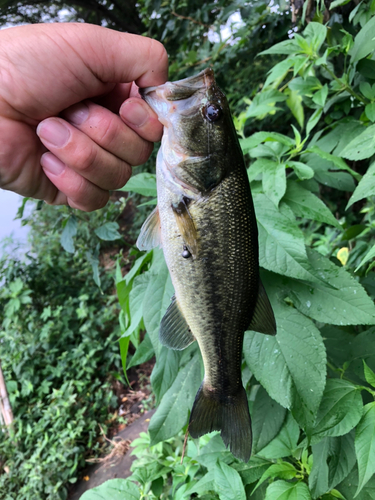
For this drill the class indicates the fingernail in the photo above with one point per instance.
(134, 113)
(77, 114)
(52, 164)
(53, 131)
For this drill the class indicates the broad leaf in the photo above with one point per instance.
(274, 182)
(157, 299)
(345, 302)
(213, 451)
(253, 470)
(228, 483)
(281, 490)
(363, 146)
(144, 352)
(285, 443)
(259, 137)
(365, 445)
(172, 413)
(318, 478)
(340, 410)
(264, 103)
(294, 103)
(364, 42)
(165, 371)
(307, 205)
(342, 459)
(366, 186)
(267, 418)
(136, 300)
(302, 170)
(115, 489)
(68, 233)
(350, 484)
(369, 374)
(143, 183)
(108, 231)
(291, 365)
(281, 243)
(281, 470)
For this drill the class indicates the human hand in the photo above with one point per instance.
(61, 88)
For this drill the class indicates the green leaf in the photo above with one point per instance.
(143, 183)
(313, 120)
(259, 167)
(165, 371)
(342, 459)
(281, 470)
(318, 478)
(362, 146)
(259, 137)
(136, 301)
(144, 352)
(172, 413)
(264, 103)
(369, 374)
(337, 3)
(281, 243)
(286, 47)
(324, 175)
(294, 103)
(228, 483)
(342, 301)
(93, 259)
(315, 33)
(305, 86)
(365, 188)
(364, 42)
(157, 299)
(108, 231)
(68, 233)
(281, 490)
(274, 182)
(320, 96)
(365, 446)
(267, 418)
(370, 111)
(278, 72)
(285, 443)
(253, 470)
(338, 162)
(340, 410)
(302, 170)
(307, 205)
(292, 365)
(349, 486)
(115, 489)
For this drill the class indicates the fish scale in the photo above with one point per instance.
(205, 223)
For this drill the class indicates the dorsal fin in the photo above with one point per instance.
(150, 236)
(263, 320)
(186, 226)
(174, 331)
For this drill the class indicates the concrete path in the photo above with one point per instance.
(119, 467)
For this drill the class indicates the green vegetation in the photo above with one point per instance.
(305, 112)
(59, 354)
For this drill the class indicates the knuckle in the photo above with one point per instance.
(123, 175)
(86, 157)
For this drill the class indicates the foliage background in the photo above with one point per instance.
(303, 96)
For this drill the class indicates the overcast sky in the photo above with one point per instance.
(9, 204)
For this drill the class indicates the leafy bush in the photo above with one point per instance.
(59, 353)
(311, 388)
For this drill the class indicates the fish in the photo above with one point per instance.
(205, 223)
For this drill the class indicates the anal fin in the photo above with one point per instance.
(263, 320)
(150, 236)
(174, 331)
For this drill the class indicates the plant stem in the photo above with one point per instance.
(344, 85)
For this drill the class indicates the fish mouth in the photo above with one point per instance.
(181, 89)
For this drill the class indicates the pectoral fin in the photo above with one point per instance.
(174, 331)
(263, 320)
(149, 237)
(186, 226)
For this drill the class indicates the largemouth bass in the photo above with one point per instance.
(205, 223)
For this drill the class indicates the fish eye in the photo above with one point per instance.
(212, 112)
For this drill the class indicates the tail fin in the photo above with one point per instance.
(229, 414)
